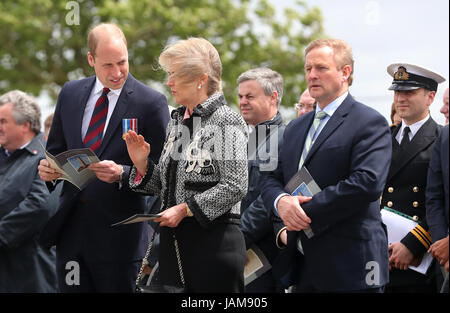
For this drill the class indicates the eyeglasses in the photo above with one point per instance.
(303, 107)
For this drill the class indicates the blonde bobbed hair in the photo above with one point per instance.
(193, 57)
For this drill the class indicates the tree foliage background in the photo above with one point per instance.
(43, 44)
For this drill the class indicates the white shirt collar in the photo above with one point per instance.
(413, 127)
(333, 105)
(98, 88)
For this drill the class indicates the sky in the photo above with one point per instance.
(384, 32)
(381, 33)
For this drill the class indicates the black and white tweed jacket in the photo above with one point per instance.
(203, 163)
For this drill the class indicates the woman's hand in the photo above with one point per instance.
(138, 149)
(173, 216)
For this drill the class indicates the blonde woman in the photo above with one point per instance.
(201, 176)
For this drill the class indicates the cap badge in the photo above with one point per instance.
(401, 74)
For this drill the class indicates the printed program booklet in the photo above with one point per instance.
(398, 226)
(72, 165)
(303, 184)
(137, 218)
(256, 265)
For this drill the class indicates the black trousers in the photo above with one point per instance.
(77, 275)
(409, 281)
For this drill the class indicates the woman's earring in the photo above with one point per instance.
(199, 87)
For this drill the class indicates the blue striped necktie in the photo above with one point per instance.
(309, 139)
(94, 135)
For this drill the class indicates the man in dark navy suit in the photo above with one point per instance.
(346, 146)
(91, 255)
(437, 202)
(260, 93)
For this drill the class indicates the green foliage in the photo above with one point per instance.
(41, 48)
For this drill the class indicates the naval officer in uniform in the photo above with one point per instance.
(412, 145)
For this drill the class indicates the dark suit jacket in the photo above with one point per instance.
(407, 179)
(82, 223)
(258, 225)
(437, 197)
(405, 192)
(349, 161)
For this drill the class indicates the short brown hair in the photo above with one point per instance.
(195, 56)
(93, 37)
(342, 53)
(48, 121)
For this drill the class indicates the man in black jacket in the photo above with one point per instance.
(412, 146)
(260, 93)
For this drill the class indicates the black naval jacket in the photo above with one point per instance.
(406, 183)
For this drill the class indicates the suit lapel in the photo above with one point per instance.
(396, 151)
(119, 111)
(423, 138)
(295, 149)
(335, 121)
(79, 113)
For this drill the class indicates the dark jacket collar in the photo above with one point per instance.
(35, 144)
(424, 137)
(277, 120)
(34, 147)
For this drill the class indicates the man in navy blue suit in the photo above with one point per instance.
(92, 256)
(437, 201)
(346, 146)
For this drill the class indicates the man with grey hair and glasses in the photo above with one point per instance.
(260, 93)
(305, 104)
(25, 204)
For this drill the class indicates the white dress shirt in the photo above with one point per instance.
(413, 127)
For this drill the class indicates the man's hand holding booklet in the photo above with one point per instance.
(303, 184)
(73, 165)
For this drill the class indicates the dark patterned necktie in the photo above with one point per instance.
(94, 133)
(405, 139)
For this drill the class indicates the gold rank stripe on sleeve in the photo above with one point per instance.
(423, 236)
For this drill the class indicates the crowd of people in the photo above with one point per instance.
(219, 179)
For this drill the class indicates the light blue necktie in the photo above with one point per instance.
(308, 144)
(312, 132)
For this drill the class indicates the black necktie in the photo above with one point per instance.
(405, 139)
